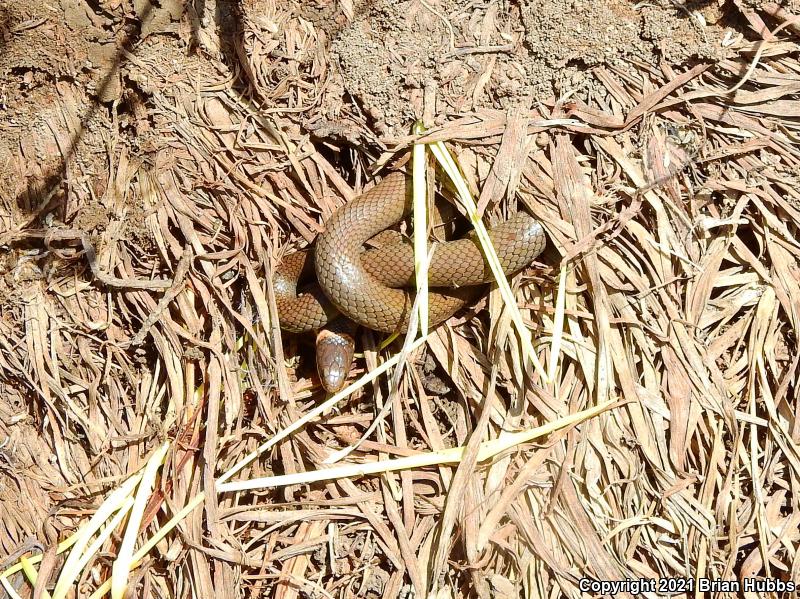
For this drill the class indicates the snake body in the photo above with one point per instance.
(369, 287)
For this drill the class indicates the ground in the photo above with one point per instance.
(157, 159)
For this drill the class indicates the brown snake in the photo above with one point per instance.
(369, 286)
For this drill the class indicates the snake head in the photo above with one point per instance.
(335, 350)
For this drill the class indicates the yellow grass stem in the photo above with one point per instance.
(154, 540)
(32, 574)
(123, 564)
(421, 258)
(62, 547)
(320, 409)
(79, 555)
(442, 154)
(558, 323)
(488, 449)
(97, 544)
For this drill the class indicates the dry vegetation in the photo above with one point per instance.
(145, 201)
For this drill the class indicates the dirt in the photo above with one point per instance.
(79, 123)
(533, 51)
(65, 111)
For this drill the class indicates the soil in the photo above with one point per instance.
(536, 49)
(80, 122)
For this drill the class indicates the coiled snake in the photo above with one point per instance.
(371, 287)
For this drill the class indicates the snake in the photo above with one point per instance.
(374, 287)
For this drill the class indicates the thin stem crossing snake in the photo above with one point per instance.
(371, 287)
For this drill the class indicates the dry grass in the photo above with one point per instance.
(673, 213)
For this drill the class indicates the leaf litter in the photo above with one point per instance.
(657, 144)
